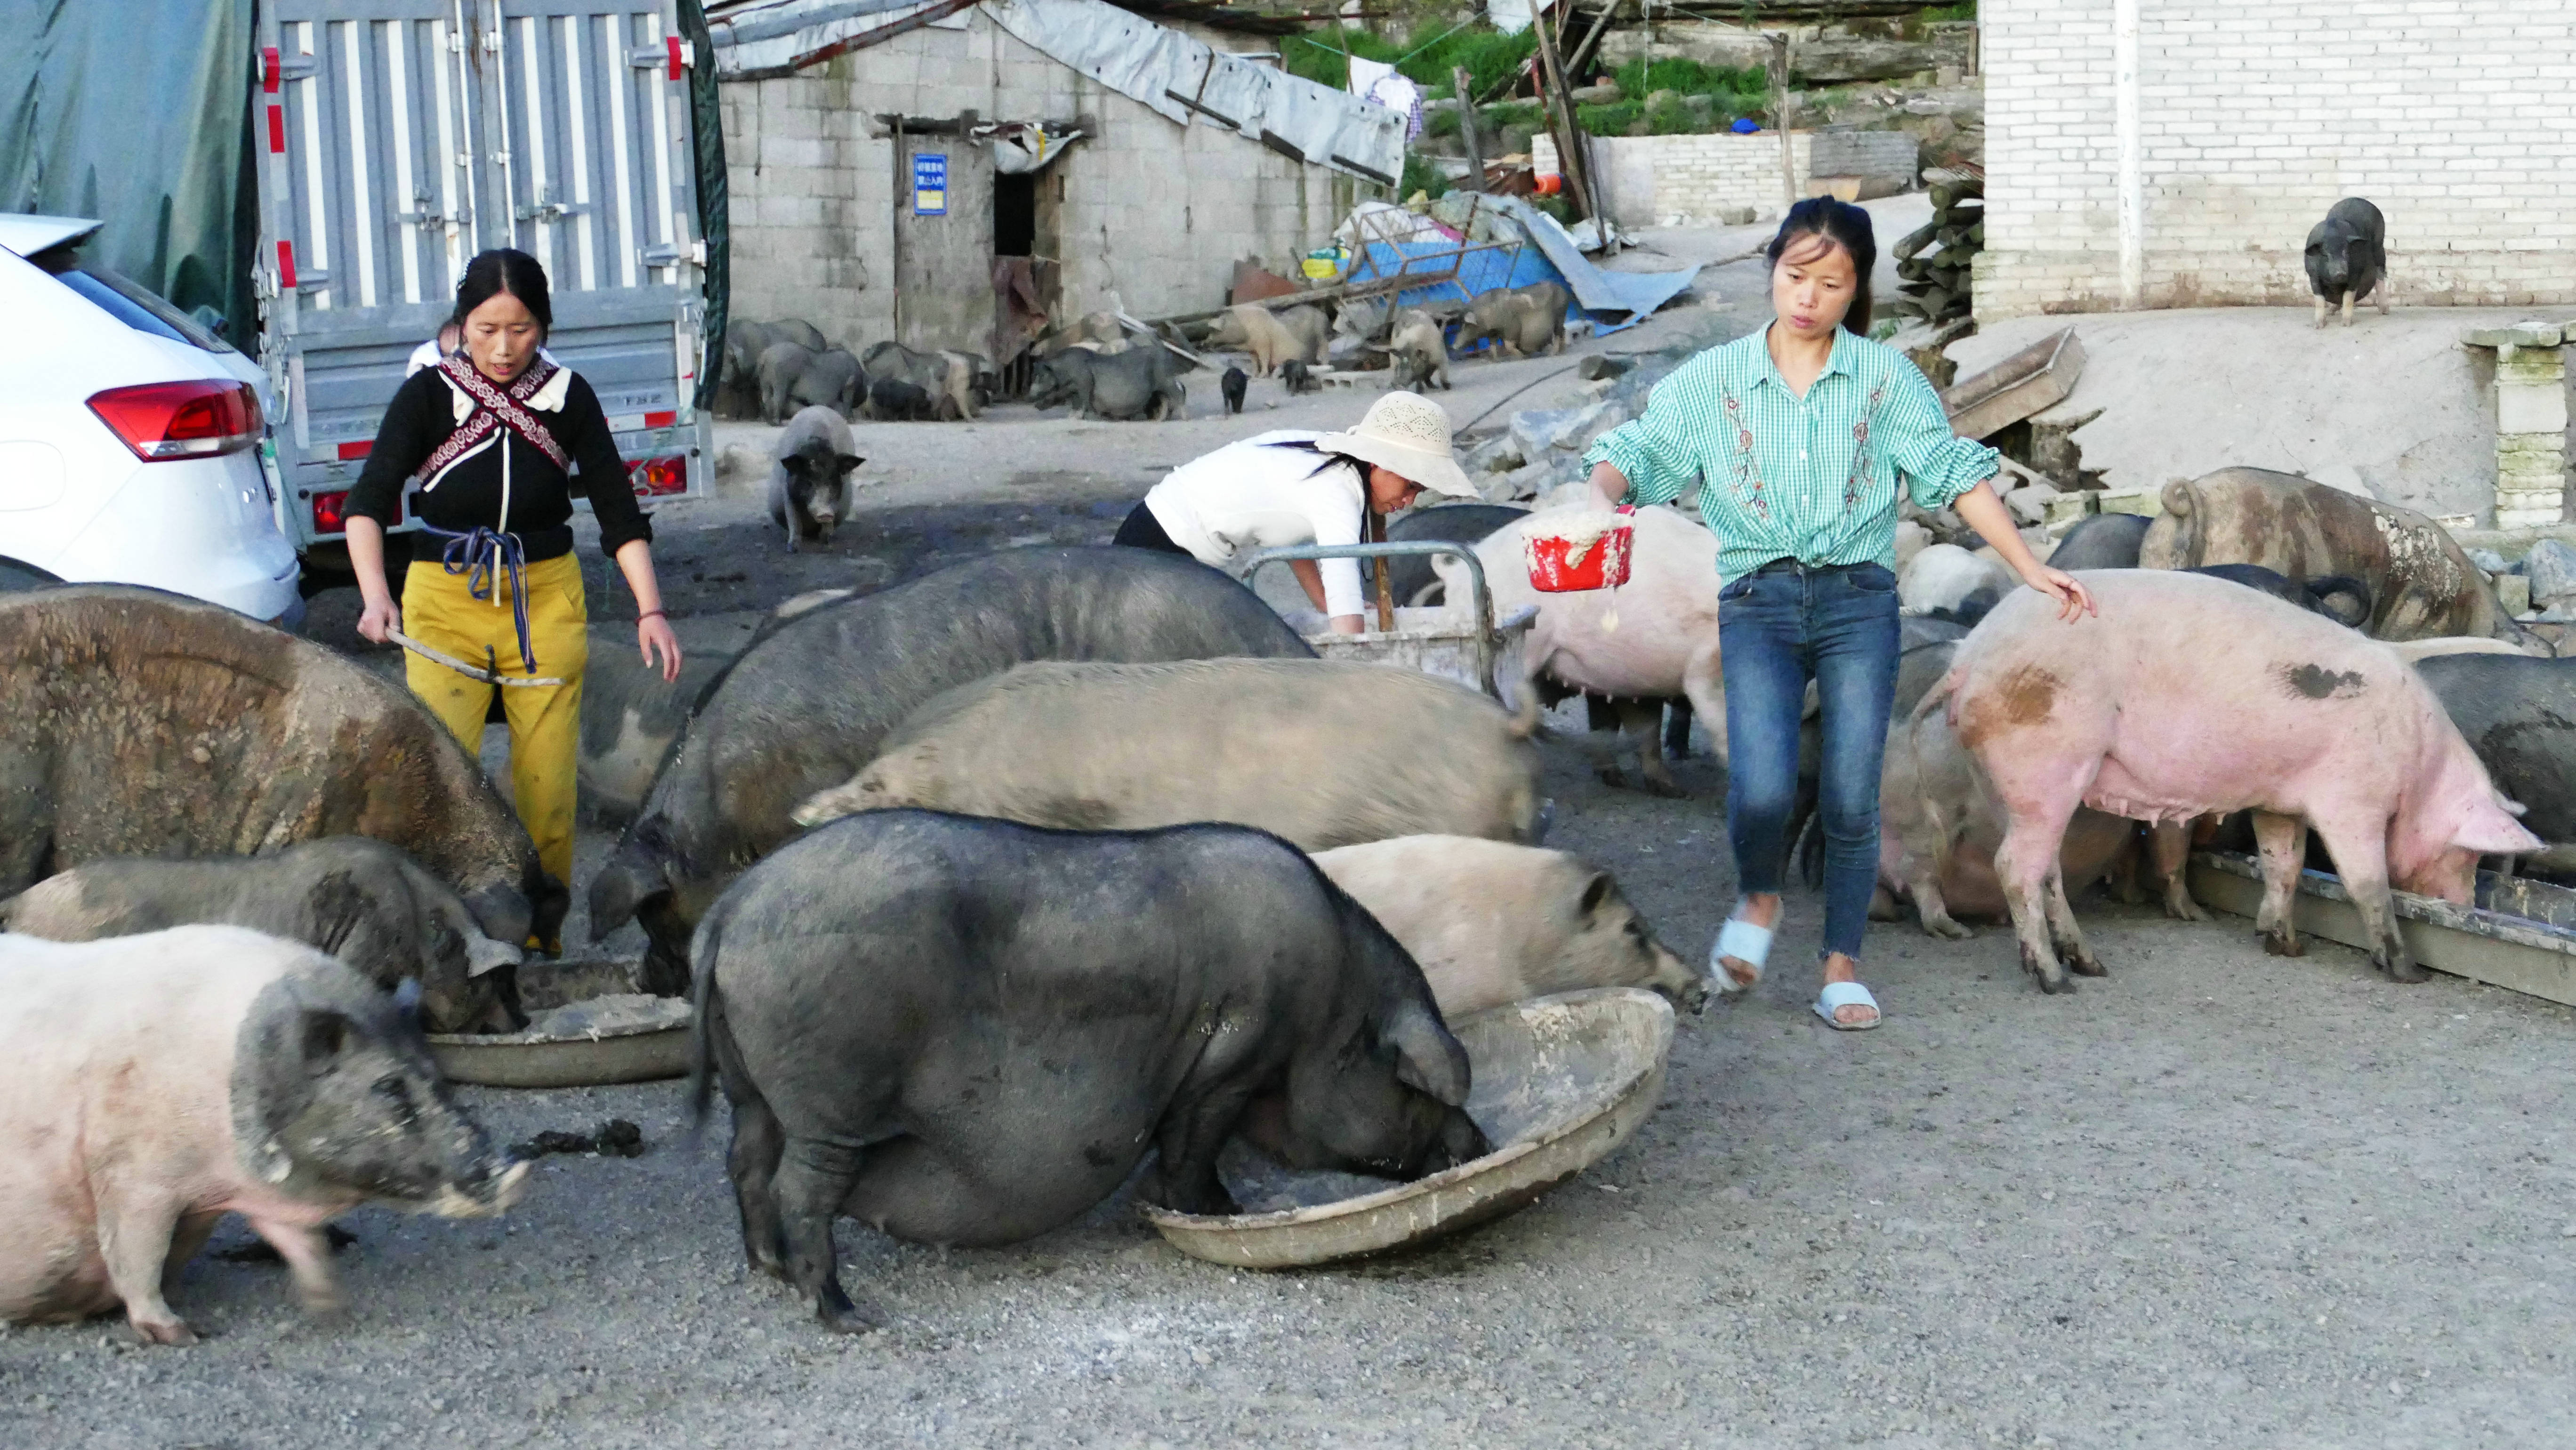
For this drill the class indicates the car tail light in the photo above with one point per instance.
(197, 419)
(331, 512)
(655, 477)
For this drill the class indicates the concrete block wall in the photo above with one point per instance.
(1865, 153)
(1153, 213)
(2453, 116)
(1649, 178)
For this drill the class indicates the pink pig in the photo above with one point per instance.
(1647, 641)
(2190, 694)
(158, 1082)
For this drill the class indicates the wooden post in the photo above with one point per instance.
(1569, 134)
(1780, 119)
(894, 239)
(1376, 532)
(1467, 127)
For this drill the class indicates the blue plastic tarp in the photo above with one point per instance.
(1614, 301)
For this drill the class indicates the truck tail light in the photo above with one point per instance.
(331, 512)
(658, 477)
(196, 419)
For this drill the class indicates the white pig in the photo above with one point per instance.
(1492, 922)
(159, 1082)
(1650, 639)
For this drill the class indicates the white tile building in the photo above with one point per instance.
(2174, 153)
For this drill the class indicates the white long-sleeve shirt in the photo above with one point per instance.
(1250, 496)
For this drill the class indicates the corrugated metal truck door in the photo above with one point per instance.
(403, 136)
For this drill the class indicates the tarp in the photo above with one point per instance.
(187, 224)
(1177, 77)
(767, 36)
(1613, 300)
(714, 194)
(1181, 79)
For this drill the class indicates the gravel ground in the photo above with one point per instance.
(2218, 1198)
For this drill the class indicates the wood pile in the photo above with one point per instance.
(1934, 265)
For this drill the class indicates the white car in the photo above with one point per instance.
(129, 437)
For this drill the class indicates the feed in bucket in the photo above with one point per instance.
(1581, 551)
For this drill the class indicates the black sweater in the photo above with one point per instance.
(420, 418)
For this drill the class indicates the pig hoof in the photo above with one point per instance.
(2088, 966)
(2407, 971)
(1947, 928)
(164, 1331)
(2281, 944)
(2185, 911)
(1613, 777)
(1666, 788)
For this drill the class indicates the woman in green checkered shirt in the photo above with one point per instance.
(1796, 438)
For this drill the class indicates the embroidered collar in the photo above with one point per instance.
(483, 410)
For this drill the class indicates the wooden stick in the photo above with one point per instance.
(1467, 128)
(1376, 532)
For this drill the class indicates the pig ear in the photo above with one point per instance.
(1427, 1058)
(1597, 892)
(2490, 831)
(848, 461)
(482, 954)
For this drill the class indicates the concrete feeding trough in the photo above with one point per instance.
(2519, 935)
(2037, 378)
(587, 1027)
(1560, 1082)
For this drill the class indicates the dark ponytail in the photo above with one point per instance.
(505, 270)
(1840, 223)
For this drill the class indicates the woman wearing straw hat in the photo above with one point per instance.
(1296, 486)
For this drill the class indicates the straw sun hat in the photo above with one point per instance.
(1406, 434)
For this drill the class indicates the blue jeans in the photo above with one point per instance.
(1776, 631)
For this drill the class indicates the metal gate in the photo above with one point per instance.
(402, 137)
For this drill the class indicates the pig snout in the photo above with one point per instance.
(1683, 987)
(487, 1189)
(1459, 1141)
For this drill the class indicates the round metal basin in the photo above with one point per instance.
(625, 1037)
(1559, 1083)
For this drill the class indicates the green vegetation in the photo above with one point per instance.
(1320, 55)
(1737, 92)
(1421, 175)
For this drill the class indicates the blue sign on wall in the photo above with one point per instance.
(930, 184)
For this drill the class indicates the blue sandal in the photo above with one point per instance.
(1846, 994)
(1746, 943)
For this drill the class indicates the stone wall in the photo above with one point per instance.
(1148, 212)
(1649, 178)
(2451, 115)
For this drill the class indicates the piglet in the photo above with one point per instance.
(2189, 695)
(809, 478)
(158, 1082)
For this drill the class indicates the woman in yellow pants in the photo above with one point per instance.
(493, 435)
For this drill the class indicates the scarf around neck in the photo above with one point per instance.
(494, 409)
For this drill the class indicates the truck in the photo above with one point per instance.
(381, 145)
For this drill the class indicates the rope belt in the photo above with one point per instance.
(481, 555)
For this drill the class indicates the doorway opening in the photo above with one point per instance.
(1015, 215)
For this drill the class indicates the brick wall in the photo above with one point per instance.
(1151, 211)
(1649, 178)
(2453, 116)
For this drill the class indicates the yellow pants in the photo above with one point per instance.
(545, 722)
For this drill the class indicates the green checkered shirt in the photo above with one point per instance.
(1782, 477)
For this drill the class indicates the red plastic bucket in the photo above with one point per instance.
(1561, 565)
